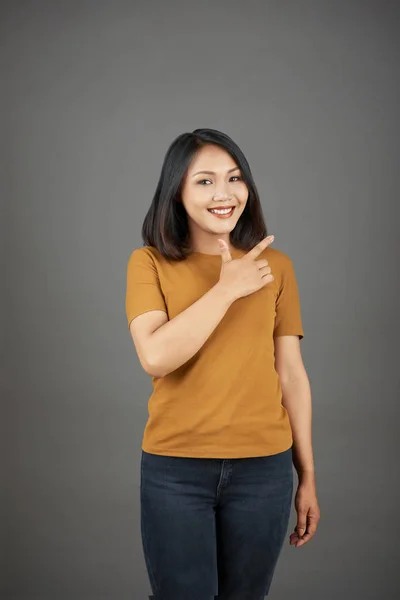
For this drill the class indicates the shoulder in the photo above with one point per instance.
(281, 266)
(144, 255)
(276, 257)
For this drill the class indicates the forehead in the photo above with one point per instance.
(212, 158)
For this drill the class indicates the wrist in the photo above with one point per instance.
(224, 294)
(306, 475)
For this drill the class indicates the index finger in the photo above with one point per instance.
(310, 532)
(258, 248)
(303, 540)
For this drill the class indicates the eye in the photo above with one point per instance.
(233, 177)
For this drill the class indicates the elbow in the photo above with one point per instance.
(148, 362)
(153, 369)
(154, 372)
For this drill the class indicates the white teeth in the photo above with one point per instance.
(224, 211)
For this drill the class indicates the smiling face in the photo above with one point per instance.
(222, 186)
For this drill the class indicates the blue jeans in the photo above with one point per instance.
(213, 528)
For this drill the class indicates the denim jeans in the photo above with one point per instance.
(213, 528)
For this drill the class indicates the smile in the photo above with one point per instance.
(223, 212)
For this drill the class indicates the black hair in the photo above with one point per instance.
(165, 225)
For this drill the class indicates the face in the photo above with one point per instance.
(221, 187)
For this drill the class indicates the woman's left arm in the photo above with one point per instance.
(296, 398)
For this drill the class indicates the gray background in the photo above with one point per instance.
(93, 94)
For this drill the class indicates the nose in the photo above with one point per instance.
(221, 196)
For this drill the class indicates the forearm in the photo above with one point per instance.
(179, 339)
(297, 401)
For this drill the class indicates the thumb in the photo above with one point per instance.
(225, 254)
(301, 527)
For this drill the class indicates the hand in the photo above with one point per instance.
(308, 514)
(245, 275)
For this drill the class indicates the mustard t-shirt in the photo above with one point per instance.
(224, 402)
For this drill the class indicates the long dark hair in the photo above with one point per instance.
(165, 225)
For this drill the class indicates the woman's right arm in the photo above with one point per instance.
(163, 346)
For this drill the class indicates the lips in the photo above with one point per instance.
(220, 207)
(224, 215)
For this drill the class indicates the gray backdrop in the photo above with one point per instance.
(93, 94)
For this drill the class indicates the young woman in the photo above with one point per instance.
(214, 315)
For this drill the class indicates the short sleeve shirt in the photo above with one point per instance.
(225, 401)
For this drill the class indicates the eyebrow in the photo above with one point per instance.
(213, 172)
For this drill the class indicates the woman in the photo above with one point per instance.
(214, 315)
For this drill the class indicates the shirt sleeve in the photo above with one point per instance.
(143, 290)
(288, 311)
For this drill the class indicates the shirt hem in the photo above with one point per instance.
(217, 454)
